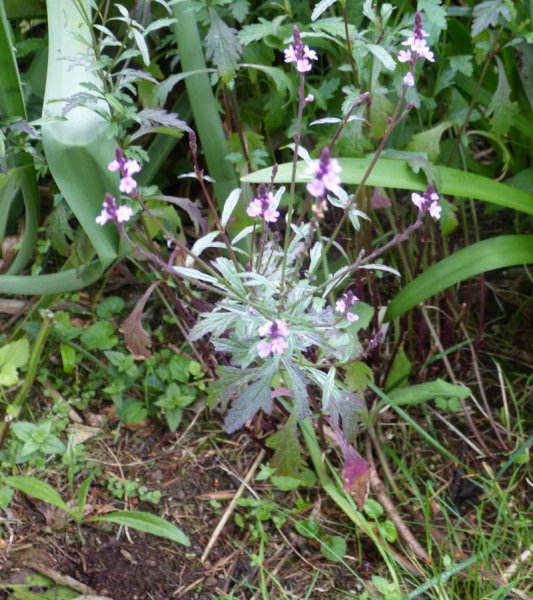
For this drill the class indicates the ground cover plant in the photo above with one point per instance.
(264, 272)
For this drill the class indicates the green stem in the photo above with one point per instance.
(13, 410)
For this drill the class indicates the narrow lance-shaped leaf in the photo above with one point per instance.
(397, 174)
(495, 253)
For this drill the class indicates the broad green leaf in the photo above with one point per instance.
(13, 356)
(82, 143)
(20, 167)
(488, 255)
(358, 376)
(397, 174)
(373, 509)
(146, 522)
(287, 458)
(37, 489)
(399, 372)
(99, 336)
(388, 531)
(416, 394)
(501, 110)
(334, 548)
(429, 141)
(222, 46)
(110, 306)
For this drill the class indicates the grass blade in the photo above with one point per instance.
(146, 522)
(488, 255)
(203, 103)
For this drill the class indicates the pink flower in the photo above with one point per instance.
(277, 331)
(340, 306)
(428, 202)
(264, 205)
(352, 318)
(309, 98)
(299, 54)
(417, 44)
(114, 166)
(409, 80)
(435, 210)
(127, 185)
(418, 200)
(278, 345)
(131, 167)
(326, 171)
(255, 208)
(264, 349)
(271, 215)
(265, 329)
(103, 217)
(404, 56)
(124, 213)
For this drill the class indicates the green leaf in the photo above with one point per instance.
(99, 336)
(133, 413)
(429, 141)
(37, 489)
(373, 509)
(358, 376)
(488, 255)
(6, 494)
(501, 110)
(416, 394)
(388, 531)
(222, 46)
(334, 548)
(110, 306)
(397, 174)
(146, 522)
(399, 372)
(13, 356)
(487, 14)
(287, 458)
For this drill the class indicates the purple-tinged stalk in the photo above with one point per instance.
(302, 56)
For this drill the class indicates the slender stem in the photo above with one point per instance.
(28, 380)
(290, 209)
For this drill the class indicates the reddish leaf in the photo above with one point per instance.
(137, 340)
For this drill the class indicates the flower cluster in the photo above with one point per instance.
(110, 212)
(127, 168)
(277, 331)
(326, 175)
(343, 306)
(418, 49)
(264, 205)
(299, 54)
(429, 201)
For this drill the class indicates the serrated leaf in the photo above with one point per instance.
(428, 142)
(222, 46)
(487, 14)
(501, 110)
(255, 397)
(287, 458)
(258, 31)
(296, 383)
(358, 376)
(58, 230)
(37, 489)
(320, 8)
(147, 522)
(239, 9)
(99, 336)
(383, 56)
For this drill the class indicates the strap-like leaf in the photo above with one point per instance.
(495, 253)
